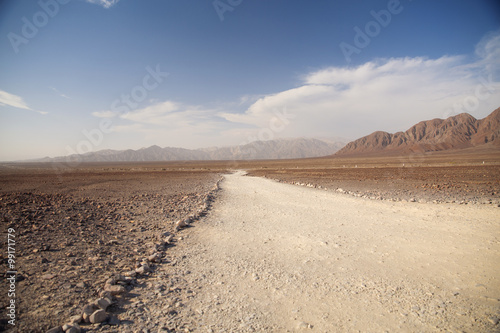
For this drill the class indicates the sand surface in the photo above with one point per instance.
(281, 258)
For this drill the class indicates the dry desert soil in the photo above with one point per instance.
(363, 246)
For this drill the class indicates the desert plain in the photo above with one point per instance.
(382, 244)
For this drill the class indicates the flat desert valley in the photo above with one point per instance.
(394, 244)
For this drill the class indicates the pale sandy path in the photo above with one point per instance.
(273, 257)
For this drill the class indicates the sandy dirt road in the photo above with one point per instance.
(273, 257)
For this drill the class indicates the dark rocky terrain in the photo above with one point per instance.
(75, 231)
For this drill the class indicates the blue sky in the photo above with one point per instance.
(80, 75)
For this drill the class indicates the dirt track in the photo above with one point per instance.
(268, 257)
(277, 257)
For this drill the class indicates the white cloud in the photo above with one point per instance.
(384, 94)
(154, 114)
(104, 3)
(170, 123)
(169, 114)
(488, 51)
(12, 100)
(15, 101)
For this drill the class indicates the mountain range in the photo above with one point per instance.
(272, 149)
(457, 132)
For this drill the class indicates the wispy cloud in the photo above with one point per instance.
(59, 93)
(169, 114)
(160, 113)
(104, 3)
(173, 123)
(7, 99)
(488, 51)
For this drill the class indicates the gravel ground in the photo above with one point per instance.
(267, 257)
(467, 184)
(74, 231)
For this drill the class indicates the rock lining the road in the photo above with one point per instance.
(118, 285)
(399, 195)
(80, 244)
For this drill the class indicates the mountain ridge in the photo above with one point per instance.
(457, 132)
(271, 149)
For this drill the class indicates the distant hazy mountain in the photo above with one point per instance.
(457, 132)
(272, 149)
(276, 149)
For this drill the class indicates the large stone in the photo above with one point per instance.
(103, 303)
(75, 319)
(98, 316)
(57, 329)
(115, 289)
(87, 311)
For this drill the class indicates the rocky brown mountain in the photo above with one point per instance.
(457, 132)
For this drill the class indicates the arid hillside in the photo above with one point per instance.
(457, 132)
